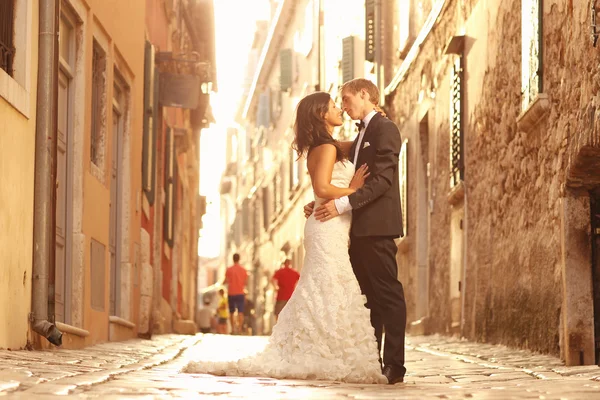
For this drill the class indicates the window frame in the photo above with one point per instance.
(16, 89)
(531, 51)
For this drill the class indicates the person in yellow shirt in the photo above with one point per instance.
(222, 313)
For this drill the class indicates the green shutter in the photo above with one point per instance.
(286, 69)
(348, 58)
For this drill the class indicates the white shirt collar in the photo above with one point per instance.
(369, 117)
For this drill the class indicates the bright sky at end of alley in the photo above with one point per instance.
(235, 22)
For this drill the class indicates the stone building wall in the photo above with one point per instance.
(515, 181)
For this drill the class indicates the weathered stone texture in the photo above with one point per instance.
(513, 209)
(514, 180)
(405, 103)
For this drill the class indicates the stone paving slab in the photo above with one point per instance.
(438, 368)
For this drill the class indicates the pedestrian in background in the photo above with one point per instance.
(204, 316)
(236, 278)
(285, 280)
(222, 313)
(249, 320)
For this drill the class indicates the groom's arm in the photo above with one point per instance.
(387, 149)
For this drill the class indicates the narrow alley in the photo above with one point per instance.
(438, 368)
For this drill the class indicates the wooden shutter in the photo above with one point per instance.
(170, 189)
(286, 69)
(150, 124)
(348, 58)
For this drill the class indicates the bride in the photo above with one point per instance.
(324, 331)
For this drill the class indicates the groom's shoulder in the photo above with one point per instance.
(387, 124)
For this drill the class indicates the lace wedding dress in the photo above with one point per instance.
(324, 331)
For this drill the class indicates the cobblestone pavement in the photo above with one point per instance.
(438, 368)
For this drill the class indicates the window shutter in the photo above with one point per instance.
(150, 124)
(237, 229)
(348, 58)
(264, 110)
(170, 189)
(246, 228)
(286, 69)
(266, 197)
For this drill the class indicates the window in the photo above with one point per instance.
(403, 176)
(456, 129)
(16, 49)
(266, 198)
(403, 26)
(246, 219)
(98, 129)
(263, 114)
(7, 46)
(276, 104)
(531, 56)
(286, 69)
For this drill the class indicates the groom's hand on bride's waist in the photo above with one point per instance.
(326, 211)
(308, 209)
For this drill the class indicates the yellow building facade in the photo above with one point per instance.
(17, 159)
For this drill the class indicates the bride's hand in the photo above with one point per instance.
(359, 177)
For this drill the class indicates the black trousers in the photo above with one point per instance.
(374, 263)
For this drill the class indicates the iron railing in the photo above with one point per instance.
(7, 49)
(457, 169)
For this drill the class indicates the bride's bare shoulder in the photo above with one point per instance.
(323, 151)
(323, 154)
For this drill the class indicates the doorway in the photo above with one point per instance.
(64, 170)
(116, 194)
(595, 235)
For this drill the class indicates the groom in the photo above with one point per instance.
(376, 220)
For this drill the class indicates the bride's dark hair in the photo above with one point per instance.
(310, 129)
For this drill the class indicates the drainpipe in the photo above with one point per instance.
(45, 170)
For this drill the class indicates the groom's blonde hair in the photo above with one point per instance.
(356, 85)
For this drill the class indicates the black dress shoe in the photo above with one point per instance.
(393, 375)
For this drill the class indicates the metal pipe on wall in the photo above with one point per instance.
(45, 170)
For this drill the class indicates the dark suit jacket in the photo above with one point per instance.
(376, 209)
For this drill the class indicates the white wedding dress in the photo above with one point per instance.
(324, 331)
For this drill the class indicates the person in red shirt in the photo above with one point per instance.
(236, 277)
(285, 279)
